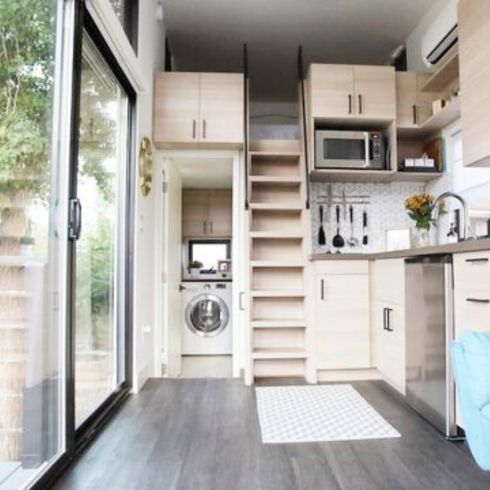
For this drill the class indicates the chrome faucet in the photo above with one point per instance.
(466, 228)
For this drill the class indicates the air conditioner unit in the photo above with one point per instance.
(442, 34)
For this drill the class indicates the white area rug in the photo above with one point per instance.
(289, 414)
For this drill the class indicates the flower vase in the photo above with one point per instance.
(421, 237)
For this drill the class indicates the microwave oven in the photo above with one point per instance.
(363, 150)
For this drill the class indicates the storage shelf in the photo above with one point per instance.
(446, 74)
(402, 176)
(338, 175)
(278, 324)
(274, 155)
(280, 353)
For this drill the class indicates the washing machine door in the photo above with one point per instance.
(207, 315)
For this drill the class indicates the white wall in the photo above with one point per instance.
(151, 57)
(414, 40)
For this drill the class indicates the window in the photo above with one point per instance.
(127, 12)
(209, 252)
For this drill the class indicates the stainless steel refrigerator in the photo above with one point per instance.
(430, 386)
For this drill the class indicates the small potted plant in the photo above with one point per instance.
(195, 268)
(420, 208)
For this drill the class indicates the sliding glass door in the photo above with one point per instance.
(100, 267)
(32, 242)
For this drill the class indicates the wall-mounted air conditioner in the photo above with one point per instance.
(442, 35)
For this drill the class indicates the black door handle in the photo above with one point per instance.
(74, 219)
(388, 319)
(477, 300)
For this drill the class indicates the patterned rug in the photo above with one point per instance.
(289, 414)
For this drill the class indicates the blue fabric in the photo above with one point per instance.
(476, 347)
(466, 357)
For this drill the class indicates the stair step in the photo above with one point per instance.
(274, 293)
(278, 324)
(277, 263)
(275, 154)
(276, 234)
(14, 293)
(270, 353)
(281, 206)
(275, 179)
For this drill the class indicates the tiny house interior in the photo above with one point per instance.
(248, 242)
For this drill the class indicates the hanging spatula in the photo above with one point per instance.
(322, 240)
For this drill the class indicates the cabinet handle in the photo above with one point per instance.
(388, 320)
(204, 227)
(384, 318)
(322, 289)
(240, 301)
(477, 300)
(360, 104)
(414, 113)
(350, 103)
(479, 260)
(194, 127)
(211, 227)
(204, 129)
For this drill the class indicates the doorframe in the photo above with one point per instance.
(237, 252)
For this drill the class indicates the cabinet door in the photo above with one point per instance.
(342, 321)
(220, 213)
(221, 108)
(195, 212)
(375, 92)
(406, 99)
(389, 324)
(176, 108)
(474, 62)
(332, 91)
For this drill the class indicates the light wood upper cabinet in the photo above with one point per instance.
(352, 92)
(207, 213)
(198, 109)
(474, 61)
(332, 91)
(176, 113)
(406, 99)
(375, 92)
(221, 108)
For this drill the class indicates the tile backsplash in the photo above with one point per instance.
(384, 206)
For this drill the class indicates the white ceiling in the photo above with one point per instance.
(207, 35)
(205, 173)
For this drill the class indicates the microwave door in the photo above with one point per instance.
(342, 149)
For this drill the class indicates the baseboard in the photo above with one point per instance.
(335, 375)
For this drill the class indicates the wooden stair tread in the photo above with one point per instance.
(14, 293)
(277, 263)
(276, 234)
(281, 293)
(283, 206)
(279, 353)
(275, 179)
(278, 323)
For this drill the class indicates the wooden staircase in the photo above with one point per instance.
(278, 253)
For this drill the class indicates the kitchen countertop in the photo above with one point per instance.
(466, 246)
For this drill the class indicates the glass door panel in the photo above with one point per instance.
(101, 185)
(32, 243)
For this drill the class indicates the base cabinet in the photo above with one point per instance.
(342, 320)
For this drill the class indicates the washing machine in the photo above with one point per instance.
(207, 318)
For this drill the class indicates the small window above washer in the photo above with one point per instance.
(209, 253)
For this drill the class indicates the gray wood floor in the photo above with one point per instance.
(204, 435)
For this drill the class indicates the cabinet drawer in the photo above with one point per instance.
(471, 310)
(472, 271)
(341, 267)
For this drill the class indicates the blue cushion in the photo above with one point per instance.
(476, 347)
